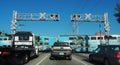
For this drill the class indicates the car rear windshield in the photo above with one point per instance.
(61, 44)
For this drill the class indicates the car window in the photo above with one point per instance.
(23, 37)
(97, 50)
(116, 49)
(100, 50)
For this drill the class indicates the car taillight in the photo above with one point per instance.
(117, 55)
(5, 53)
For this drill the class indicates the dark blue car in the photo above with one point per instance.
(106, 54)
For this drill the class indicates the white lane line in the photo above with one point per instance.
(78, 60)
(42, 60)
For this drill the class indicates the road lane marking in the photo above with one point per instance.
(78, 60)
(42, 60)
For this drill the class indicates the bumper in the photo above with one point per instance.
(61, 54)
(116, 62)
(4, 60)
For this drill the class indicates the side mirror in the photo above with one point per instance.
(94, 51)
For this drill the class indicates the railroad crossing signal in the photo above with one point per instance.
(87, 18)
(75, 16)
(32, 17)
(90, 18)
(54, 16)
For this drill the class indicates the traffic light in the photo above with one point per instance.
(54, 17)
(75, 17)
(51, 15)
(78, 16)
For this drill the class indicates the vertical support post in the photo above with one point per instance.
(14, 21)
(75, 28)
(107, 27)
(100, 34)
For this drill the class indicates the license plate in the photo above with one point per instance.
(61, 53)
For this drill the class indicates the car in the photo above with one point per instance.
(72, 45)
(61, 50)
(106, 54)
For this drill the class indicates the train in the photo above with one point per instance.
(78, 43)
(46, 42)
(88, 43)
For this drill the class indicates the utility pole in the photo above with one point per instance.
(100, 34)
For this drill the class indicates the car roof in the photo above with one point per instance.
(23, 33)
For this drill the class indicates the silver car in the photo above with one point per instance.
(61, 50)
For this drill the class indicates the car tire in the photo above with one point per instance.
(106, 62)
(90, 59)
(51, 58)
(23, 59)
(26, 58)
(69, 58)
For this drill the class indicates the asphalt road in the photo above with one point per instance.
(77, 59)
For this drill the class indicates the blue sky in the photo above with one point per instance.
(62, 7)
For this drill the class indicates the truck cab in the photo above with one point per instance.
(24, 45)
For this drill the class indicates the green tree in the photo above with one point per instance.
(117, 14)
(37, 40)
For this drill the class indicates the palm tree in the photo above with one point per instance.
(118, 12)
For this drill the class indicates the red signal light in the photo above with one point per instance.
(51, 15)
(74, 16)
(78, 16)
(56, 16)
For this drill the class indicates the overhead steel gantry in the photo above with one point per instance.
(75, 18)
(90, 18)
(31, 17)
